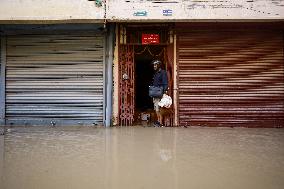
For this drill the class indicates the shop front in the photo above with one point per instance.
(138, 45)
(54, 75)
(230, 74)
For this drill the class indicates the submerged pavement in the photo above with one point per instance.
(141, 157)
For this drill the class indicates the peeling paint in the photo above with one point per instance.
(50, 10)
(125, 10)
(197, 9)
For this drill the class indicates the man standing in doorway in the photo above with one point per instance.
(160, 79)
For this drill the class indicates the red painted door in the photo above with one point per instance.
(126, 85)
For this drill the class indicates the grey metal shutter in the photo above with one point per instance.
(231, 78)
(0, 55)
(55, 79)
(0, 58)
(1, 93)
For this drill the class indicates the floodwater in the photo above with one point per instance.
(142, 158)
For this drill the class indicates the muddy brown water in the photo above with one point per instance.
(142, 158)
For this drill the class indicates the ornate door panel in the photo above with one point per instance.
(126, 85)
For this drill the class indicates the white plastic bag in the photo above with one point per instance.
(166, 101)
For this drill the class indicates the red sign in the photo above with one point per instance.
(150, 39)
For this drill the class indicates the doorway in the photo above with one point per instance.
(136, 50)
(143, 56)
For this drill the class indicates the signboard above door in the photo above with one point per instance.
(150, 39)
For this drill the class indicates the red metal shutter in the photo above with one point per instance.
(231, 78)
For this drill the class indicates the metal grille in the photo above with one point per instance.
(55, 78)
(126, 85)
(231, 78)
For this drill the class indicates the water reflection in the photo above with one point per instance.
(137, 157)
(1, 159)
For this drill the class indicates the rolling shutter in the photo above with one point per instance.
(0, 56)
(0, 59)
(231, 78)
(55, 79)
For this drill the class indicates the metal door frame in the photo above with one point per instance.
(123, 43)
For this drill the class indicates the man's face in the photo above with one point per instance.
(156, 67)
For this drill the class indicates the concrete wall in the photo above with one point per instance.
(115, 104)
(13, 11)
(87, 11)
(182, 10)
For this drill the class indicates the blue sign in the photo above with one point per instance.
(167, 12)
(140, 13)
